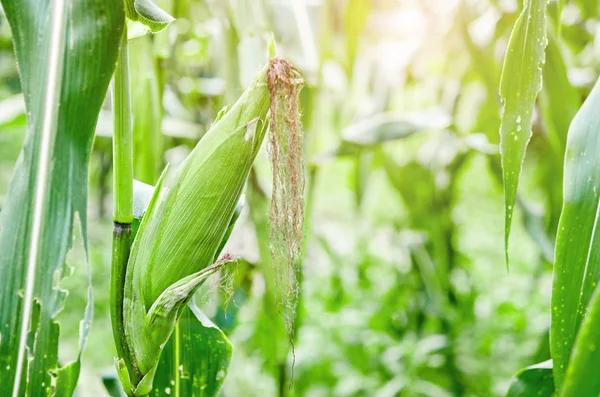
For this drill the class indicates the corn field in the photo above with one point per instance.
(299, 198)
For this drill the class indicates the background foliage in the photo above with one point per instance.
(404, 286)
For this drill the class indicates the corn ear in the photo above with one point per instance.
(183, 230)
(192, 218)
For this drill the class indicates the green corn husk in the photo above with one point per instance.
(183, 230)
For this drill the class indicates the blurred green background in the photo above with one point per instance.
(404, 286)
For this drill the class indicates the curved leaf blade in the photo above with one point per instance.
(533, 381)
(91, 29)
(520, 84)
(195, 360)
(577, 267)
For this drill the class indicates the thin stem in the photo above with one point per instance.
(122, 139)
(123, 202)
(121, 248)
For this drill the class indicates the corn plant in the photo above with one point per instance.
(153, 277)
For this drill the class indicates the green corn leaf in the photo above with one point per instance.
(582, 378)
(519, 86)
(195, 360)
(181, 233)
(533, 381)
(163, 314)
(148, 13)
(64, 85)
(577, 266)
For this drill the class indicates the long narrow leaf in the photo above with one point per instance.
(64, 85)
(519, 86)
(577, 267)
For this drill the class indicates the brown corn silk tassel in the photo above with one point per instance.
(287, 201)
